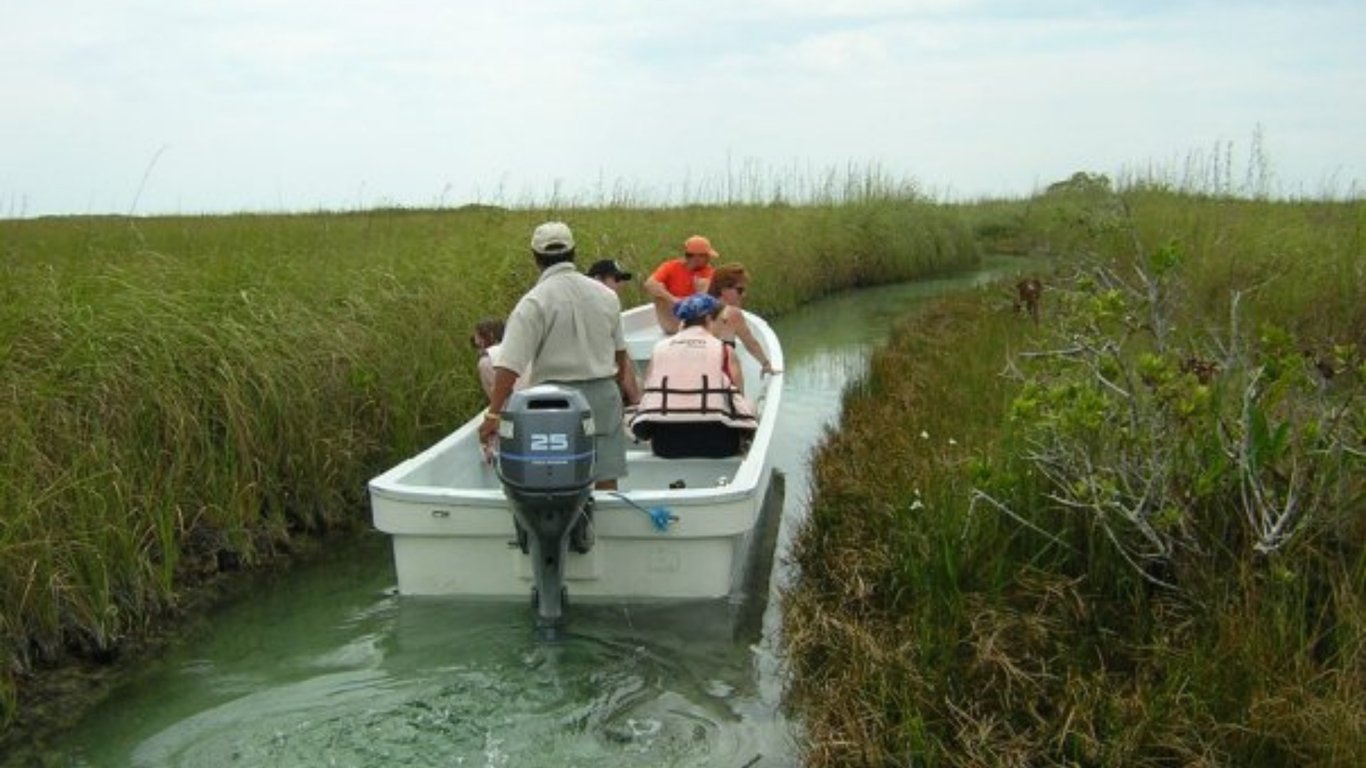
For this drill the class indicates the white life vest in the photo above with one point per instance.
(687, 382)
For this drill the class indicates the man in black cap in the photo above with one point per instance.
(610, 273)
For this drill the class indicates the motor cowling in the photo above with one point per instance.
(545, 443)
(545, 460)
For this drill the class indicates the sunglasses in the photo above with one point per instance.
(740, 289)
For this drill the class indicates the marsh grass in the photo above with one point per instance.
(874, 626)
(987, 602)
(187, 396)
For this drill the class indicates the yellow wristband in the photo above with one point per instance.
(493, 415)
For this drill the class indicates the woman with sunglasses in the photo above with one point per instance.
(729, 283)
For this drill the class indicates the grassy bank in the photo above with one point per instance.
(1129, 535)
(184, 397)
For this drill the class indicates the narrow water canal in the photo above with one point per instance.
(326, 666)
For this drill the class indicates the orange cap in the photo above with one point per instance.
(698, 244)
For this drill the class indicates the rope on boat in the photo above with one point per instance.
(660, 516)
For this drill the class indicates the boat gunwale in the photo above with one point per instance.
(751, 474)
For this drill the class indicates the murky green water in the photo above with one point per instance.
(326, 666)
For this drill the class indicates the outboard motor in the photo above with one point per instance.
(545, 461)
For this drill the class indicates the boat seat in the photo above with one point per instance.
(639, 450)
(651, 472)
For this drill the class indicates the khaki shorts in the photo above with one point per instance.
(604, 399)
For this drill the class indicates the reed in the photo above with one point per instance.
(1145, 544)
(184, 397)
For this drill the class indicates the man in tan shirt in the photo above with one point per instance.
(567, 330)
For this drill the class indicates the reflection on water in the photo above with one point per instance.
(326, 666)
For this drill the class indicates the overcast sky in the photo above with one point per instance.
(185, 106)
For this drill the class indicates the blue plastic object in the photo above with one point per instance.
(660, 516)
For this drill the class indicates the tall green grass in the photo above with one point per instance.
(1084, 575)
(186, 396)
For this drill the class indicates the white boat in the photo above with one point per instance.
(675, 529)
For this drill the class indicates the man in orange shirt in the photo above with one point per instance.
(677, 279)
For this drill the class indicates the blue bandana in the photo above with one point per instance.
(695, 306)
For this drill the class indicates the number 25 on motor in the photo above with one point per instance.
(541, 441)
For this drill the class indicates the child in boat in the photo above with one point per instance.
(488, 334)
(487, 339)
(690, 406)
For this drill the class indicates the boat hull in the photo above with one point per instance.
(441, 549)
(676, 528)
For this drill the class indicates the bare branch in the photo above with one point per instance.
(979, 495)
